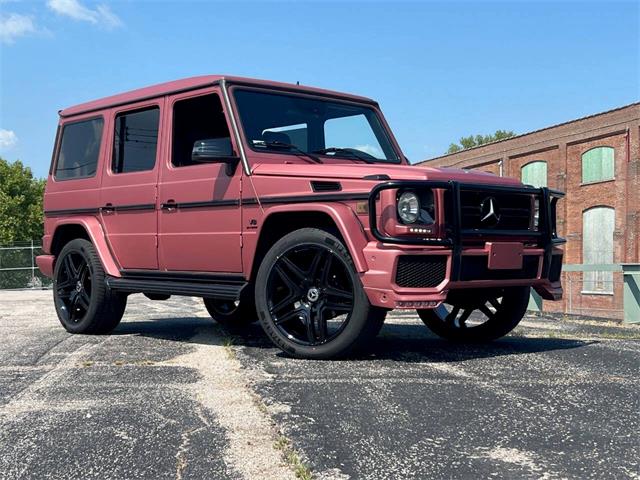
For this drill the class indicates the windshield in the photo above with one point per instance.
(301, 125)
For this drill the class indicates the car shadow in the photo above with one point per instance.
(402, 342)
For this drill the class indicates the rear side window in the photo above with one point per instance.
(135, 140)
(79, 149)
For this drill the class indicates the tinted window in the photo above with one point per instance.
(79, 149)
(135, 141)
(271, 121)
(196, 119)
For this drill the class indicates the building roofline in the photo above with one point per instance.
(635, 104)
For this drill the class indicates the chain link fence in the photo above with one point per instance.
(18, 267)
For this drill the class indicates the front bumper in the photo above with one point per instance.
(418, 272)
(381, 280)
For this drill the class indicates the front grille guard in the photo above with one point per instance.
(546, 236)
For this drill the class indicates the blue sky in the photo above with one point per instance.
(439, 70)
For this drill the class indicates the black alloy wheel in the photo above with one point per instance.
(477, 316)
(310, 294)
(73, 287)
(233, 314)
(310, 300)
(83, 301)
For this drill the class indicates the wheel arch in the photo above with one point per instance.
(88, 228)
(337, 219)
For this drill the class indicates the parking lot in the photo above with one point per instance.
(171, 395)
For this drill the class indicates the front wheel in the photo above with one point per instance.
(310, 300)
(477, 316)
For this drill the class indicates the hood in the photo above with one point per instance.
(394, 172)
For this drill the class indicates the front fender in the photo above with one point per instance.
(342, 216)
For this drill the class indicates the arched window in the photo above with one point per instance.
(598, 164)
(597, 248)
(535, 173)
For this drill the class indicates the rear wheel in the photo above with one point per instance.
(231, 313)
(477, 316)
(83, 302)
(310, 300)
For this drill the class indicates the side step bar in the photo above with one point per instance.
(222, 291)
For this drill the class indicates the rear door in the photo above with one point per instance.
(129, 184)
(199, 219)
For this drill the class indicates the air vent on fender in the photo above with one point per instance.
(320, 186)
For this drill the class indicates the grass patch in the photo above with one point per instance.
(292, 458)
(228, 344)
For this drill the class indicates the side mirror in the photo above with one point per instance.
(215, 150)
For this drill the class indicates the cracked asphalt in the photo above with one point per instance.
(171, 395)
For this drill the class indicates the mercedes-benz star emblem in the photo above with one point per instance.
(490, 215)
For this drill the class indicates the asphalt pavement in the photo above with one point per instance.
(171, 395)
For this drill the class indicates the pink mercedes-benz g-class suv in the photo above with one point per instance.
(285, 204)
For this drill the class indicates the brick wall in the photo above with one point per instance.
(562, 146)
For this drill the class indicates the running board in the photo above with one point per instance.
(220, 290)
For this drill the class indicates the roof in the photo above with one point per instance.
(530, 133)
(192, 83)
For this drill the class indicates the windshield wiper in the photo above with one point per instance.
(349, 151)
(289, 146)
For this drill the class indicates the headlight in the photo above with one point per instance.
(408, 207)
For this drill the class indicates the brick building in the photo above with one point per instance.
(596, 161)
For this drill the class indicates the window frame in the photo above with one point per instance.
(601, 180)
(136, 109)
(292, 93)
(60, 138)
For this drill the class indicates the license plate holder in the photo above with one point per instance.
(504, 255)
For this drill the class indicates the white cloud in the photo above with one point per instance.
(101, 15)
(15, 25)
(8, 138)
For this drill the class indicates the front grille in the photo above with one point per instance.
(421, 271)
(475, 268)
(512, 211)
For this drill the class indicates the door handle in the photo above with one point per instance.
(108, 209)
(169, 205)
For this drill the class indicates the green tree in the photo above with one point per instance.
(21, 215)
(477, 140)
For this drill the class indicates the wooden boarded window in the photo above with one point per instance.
(597, 248)
(598, 164)
(535, 174)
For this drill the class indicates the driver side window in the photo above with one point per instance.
(195, 119)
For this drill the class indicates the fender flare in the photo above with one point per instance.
(345, 220)
(94, 230)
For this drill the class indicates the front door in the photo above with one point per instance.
(199, 218)
(128, 193)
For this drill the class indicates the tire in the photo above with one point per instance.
(310, 300)
(228, 314)
(83, 302)
(495, 314)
